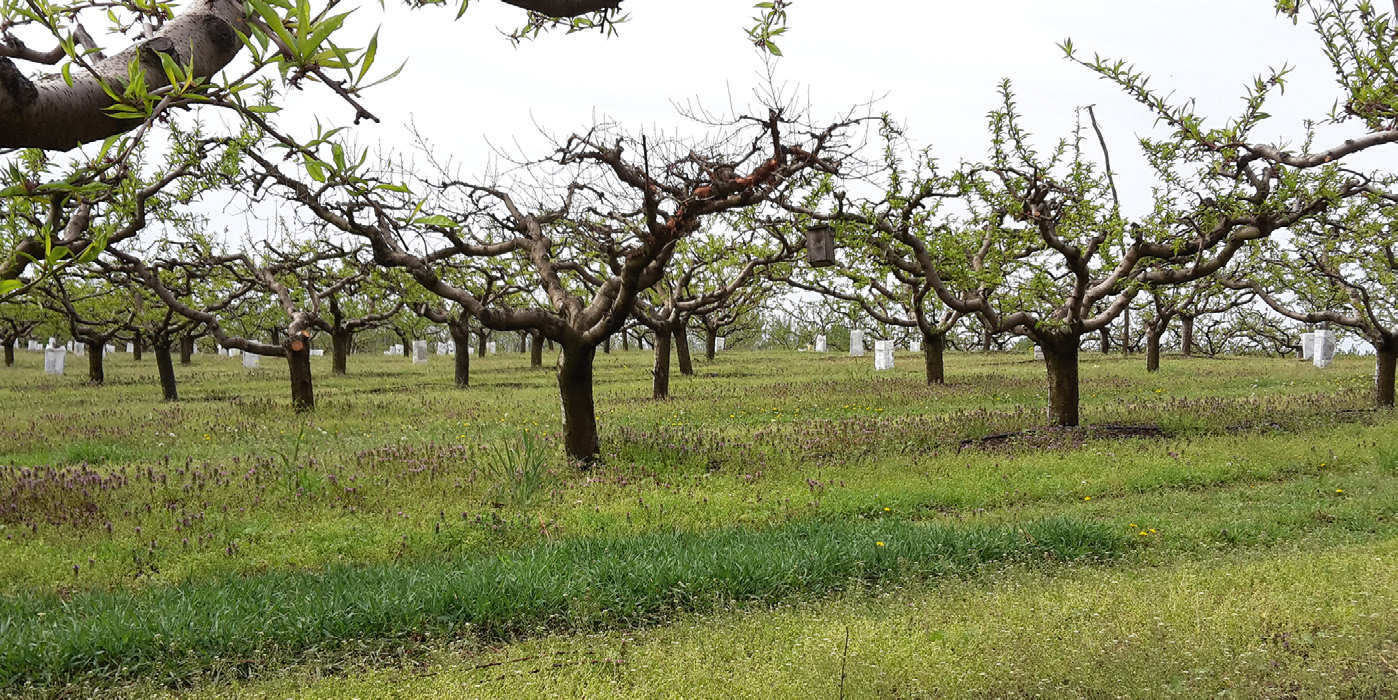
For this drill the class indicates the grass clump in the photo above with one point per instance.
(564, 586)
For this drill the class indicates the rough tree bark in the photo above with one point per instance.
(660, 387)
(9, 352)
(137, 348)
(933, 352)
(461, 335)
(710, 344)
(186, 350)
(1153, 335)
(1384, 371)
(340, 343)
(1061, 360)
(536, 351)
(95, 371)
(298, 361)
(1187, 335)
(165, 365)
(575, 393)
(682, 350)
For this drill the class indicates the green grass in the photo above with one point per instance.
(111, 495)
(575, 585)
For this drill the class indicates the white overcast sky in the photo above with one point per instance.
(934, 65)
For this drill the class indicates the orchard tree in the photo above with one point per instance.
(1189, 301)
(708, 270)
(124, 97)
(93, 310)
(18, 319)
(275, 273)
(1341, 270)
(605, 204)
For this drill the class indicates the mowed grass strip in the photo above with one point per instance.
(577, 584)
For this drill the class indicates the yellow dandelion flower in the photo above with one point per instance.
(1339, 490)
(1087, 498)
(1143, 533)
(879, 544)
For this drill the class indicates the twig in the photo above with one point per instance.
(844, 659)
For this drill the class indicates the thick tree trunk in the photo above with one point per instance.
(710, 344)
(95, 372)
(298, 361)
(682, 350)
(1153, 335)
(461, 336)
(1385, 364)
(625, 340)
(933, 350)
(136, 348)
(165, 366)
(186, 350)
(1061, 361)
(9, 352)
(480, 346)
(340, 343)
(1187, 335)
(986, 338)
(51, 115)
(1106, 340)
(536, 351)
(575, 393)
(523, 342)
(660, 388)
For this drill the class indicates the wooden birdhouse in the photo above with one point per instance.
(820, 245)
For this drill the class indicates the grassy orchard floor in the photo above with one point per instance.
(1271, 497)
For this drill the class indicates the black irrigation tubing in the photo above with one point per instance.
(574, 584)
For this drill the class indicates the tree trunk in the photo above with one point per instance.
(136, 348)
(933, 350)
(682, 350)
(480, 346)
(340, 343)
(607, 345)
(165, 366)
(1125, 333)
(625, 341)
(298, 361)
(1385, 364)
(95, 372)
(1187, 335)
(1107, 341)
(986, 338)
(9, 352)
(710, 343)
(186, 350)
(1061, 360)
(461, 336)
(1153, 334)
(523, 342)
(661, 385)
(536, 351)
(575, 393)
